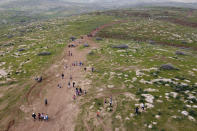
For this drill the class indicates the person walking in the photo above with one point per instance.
(45, 102)
(92, 69)
(80, 90)
(34, 116)
(137, 110)
(110, 101)
(73, 84)
(39, 116)
(62, 76)
(46, 117)
(69, 84)
(105, 101)
(74, 97)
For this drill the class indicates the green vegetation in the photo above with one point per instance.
(133, 76)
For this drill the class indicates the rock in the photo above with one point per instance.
(180, 53)
(86, 45)
(185, 113)
(168, 67)
(8, 44)
(121, 46)
(91, 53)
(22, 49)
(184, 42)
(44, 53)
(148, 97)
(10, 36)
(98, 39)
(191, 118)
(152, 42)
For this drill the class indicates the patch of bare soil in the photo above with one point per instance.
(61, 109)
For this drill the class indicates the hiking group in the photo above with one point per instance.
(78, 91)
(41, 116)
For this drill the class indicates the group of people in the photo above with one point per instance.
(85, 69)
(78, 91)
(110, 101)
(40, 116)
(76, 63)
(137, 109)
(70, 53)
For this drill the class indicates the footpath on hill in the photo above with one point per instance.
(61, 109)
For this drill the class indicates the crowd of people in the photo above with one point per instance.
(40, 117)
(78, 91)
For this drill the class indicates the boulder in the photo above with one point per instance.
(168, 67)
(22, 49)
(98, 39)
(86, 45)
(44, 53)
(8, 44)
(121, 46)
(152, 42)
(184, 42)
(91, 53)
(180, 53)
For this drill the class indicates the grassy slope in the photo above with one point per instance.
(118, 68)
(51, 36)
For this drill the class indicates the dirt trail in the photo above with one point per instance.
(61, 108)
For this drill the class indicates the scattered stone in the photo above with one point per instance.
(91, 107)
(131, 115)
(191, 118)
(150, 126)
(149, 105)
(173, 94)
(127, 118)
(151, 90)
(148, 97)
(110, 86)
(3, 73)
(157, 116)
(118, 117)
(131, 96)
(185, 113)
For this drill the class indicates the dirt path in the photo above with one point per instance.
(61, 108)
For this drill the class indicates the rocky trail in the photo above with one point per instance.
(61, 109)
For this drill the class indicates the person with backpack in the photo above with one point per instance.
(45, 102)
(34, 116)
(73, 84)
(62, 76)
(46, 117)
(69, 84)
(137, 110)
(39, 116)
